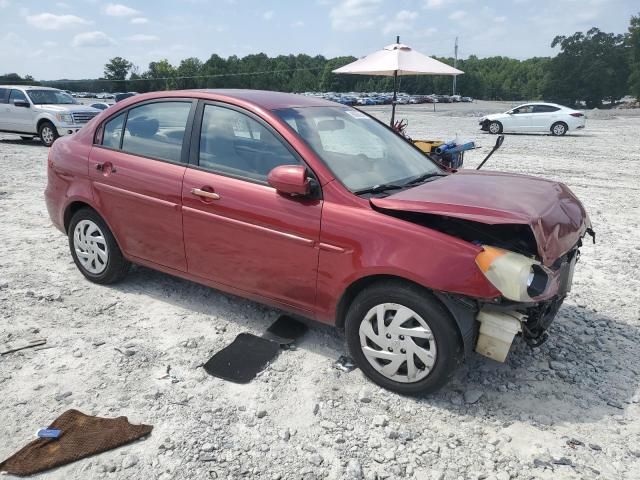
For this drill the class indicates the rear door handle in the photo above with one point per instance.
(205, 194)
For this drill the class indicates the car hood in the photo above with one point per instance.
(556, 217)
(495, 116)
(66, 108)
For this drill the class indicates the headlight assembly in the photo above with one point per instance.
(64, 117)
(517, 277)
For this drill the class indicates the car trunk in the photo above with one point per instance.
(556, 218)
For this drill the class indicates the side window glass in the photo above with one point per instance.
(4, 95)
(113, 132)
(17, 95)
(234, 143)
(156, 130)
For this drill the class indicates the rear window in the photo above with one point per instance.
(4, 95)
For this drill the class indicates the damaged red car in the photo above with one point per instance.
(319, 209)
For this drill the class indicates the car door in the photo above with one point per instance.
(522, 119)
(238, 230)
(136, 169)
(19, 119)
(4, 107)
(545, 116)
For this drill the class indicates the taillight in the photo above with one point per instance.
(576, 114)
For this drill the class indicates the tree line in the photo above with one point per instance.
(590, 67)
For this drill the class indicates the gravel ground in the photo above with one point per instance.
(569, 409)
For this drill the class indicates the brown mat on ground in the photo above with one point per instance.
(82, 435)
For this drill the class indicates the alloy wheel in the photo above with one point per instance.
(90, 247)
(398, 343)
(494, 128)
(47, 135)
(558, 129)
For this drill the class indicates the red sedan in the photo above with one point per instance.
(319, 209)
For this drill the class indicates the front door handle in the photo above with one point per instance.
(205, 194)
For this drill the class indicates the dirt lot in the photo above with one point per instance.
(567, 410)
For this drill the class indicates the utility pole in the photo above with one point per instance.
(455, 65)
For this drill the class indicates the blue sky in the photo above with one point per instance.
(74, 38)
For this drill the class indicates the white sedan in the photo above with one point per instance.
(535, 117)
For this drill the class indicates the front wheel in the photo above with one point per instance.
(48, 133)
(495, 128)
(558, 129)
(402, 338)
(94, 248)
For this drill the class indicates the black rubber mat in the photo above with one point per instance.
(285, 330)
(241, 361)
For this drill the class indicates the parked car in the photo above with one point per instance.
(41, 111)
(319, 209)
(535, 117)
(100, 105)
(121, 96)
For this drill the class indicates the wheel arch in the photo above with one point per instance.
(464, 323)
(42, 120)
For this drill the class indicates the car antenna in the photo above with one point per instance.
(498, 144)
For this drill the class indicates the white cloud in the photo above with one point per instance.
(350, 15)
(402, 21)
(268, 15)
(139, 20)
(298, 24)
(4, 3)
(119, 10)
(50, 21)
(141, 37)
(92, 39)
(434, 3)
(500, 19)
(50, 44)
(458, 15)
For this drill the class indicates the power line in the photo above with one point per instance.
(218, 75)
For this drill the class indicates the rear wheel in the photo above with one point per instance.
(48, 133)
(559, 128)
(495, 127)
(94, 248)
(402, 338)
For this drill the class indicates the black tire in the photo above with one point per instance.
(558, 129)
(495, 127)
(445, 333)
(26, 138)
(116, 267)
(48, 133)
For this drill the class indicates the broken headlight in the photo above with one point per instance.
(517, 277)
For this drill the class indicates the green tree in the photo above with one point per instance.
(633, 41)
(590, 67)
(117, 70)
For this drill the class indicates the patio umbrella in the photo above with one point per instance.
(397, 59)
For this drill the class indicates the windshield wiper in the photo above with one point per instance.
(382, 187)
(423, 178)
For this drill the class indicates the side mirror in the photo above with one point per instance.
(290, 180)
(21, 103)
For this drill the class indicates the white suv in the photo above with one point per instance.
(41, 111)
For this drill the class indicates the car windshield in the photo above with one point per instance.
(50, 97)
(362, 153)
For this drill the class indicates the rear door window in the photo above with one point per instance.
(4, 95)
(112, 136)
(156, 130)
(544, 109)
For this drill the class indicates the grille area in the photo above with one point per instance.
(83, 117)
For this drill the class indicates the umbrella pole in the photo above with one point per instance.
(393, 102)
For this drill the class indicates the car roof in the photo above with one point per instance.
(29, 87)
(261, 98)
(541, 103)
